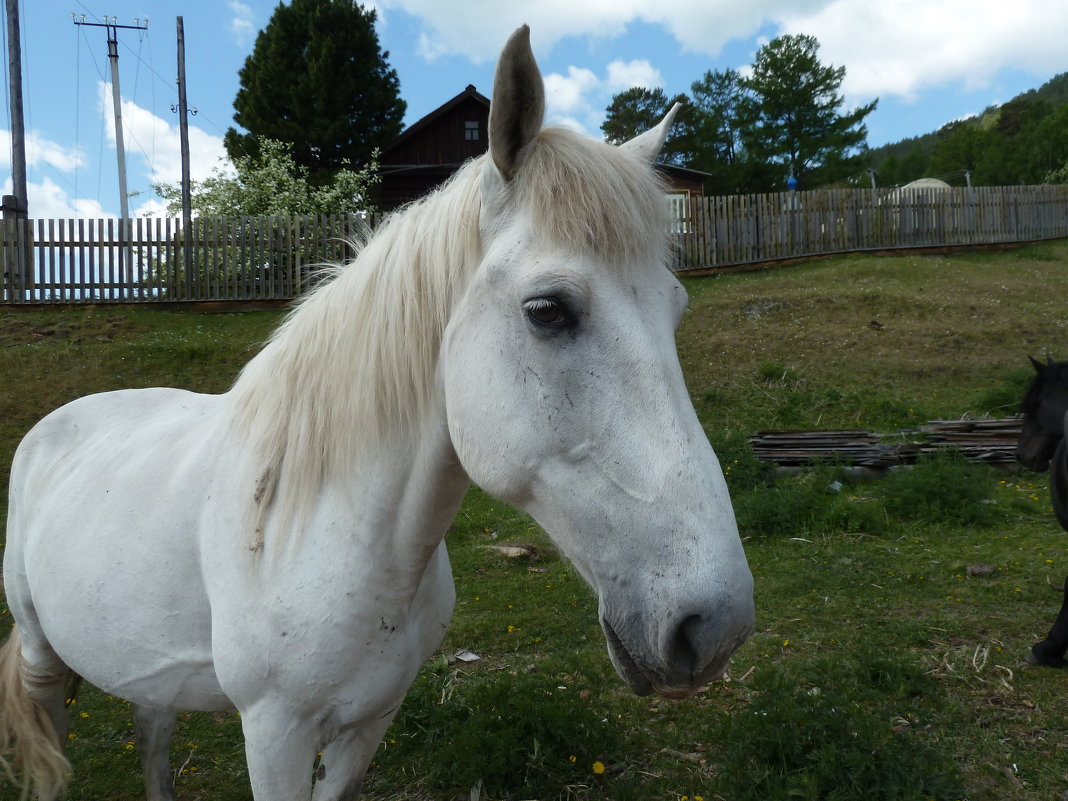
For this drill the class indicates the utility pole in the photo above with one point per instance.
(183, 130)
(111, 25)
(18, 205)
(16, 269)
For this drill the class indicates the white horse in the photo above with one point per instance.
(279, 549)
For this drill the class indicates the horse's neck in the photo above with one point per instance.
(420, 495)
(391, 509)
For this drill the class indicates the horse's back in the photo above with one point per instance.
(105, 499)
(108, 446)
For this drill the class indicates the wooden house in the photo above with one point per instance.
(432, 149)
(429, 151)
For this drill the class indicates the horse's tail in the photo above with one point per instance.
(30, 753)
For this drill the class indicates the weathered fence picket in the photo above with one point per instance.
(246, 258)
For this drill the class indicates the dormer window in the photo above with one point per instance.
(471, 130)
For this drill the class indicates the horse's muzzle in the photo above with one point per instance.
(689, 654)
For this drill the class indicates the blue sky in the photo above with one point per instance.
(928, 62)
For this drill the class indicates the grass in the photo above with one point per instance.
(893, 615)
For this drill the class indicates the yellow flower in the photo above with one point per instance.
(85, 714)
(598, 768)
(572, 759)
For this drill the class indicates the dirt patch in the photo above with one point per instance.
(16, 330)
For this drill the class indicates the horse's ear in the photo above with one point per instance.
(649, 144)
(518, 106)
(1039, 367)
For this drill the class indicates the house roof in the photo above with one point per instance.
(470, 93)
(682, 172)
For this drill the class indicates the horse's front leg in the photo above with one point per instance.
(1050, 651)
(280, 747)
(344, 762)
(153, 728)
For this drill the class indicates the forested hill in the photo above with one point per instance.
(1018, 142)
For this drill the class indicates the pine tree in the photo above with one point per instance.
(792, 113)
(715, 134)
(318, 80)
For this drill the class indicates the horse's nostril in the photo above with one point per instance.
(686, 645)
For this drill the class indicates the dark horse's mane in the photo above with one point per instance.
(1052, 374)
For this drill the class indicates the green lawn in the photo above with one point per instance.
(881, 666)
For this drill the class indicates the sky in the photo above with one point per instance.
(928, 62)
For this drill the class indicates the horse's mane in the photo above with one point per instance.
(352, 366)
(1055, 375)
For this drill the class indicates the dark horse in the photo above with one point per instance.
(1042, 447)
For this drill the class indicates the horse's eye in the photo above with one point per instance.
(547, 312)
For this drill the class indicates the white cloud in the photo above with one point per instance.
(578, 100)
(476, 28)
(623, 75)
(902, 47)
(241, 24)
(157, 143)
(41, 151)
(153, 156)
(892, 47)
(50, 201)
(565, 95)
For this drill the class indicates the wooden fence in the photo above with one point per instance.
(749, 229)
(247, 258)
(65, 261)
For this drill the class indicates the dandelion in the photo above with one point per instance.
(85, 715)
(785, 643)
(598, 767)
(129, 745)
(72, 736)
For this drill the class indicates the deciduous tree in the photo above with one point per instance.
(270, 182)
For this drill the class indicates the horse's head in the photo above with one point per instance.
(1044, 406)
(565, 396)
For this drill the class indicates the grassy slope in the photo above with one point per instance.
(884, 620)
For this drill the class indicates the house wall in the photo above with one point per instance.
(442, 141)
